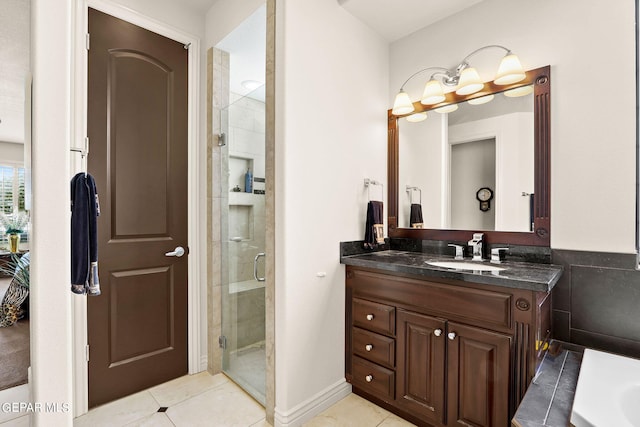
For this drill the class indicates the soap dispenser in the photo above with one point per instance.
(248, 181)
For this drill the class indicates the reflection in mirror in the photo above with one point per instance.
(452, 156)
(15, 202)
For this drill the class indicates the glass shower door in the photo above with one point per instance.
(243, 221)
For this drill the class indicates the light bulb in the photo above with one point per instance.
(481, 100)
(402, 104)
(510, 71)
(469, 82)
(519, 91)
(417, 117)
(433, 93)
(446, 109)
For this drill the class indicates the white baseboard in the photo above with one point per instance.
(312, 406)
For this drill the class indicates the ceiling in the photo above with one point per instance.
(395, 19)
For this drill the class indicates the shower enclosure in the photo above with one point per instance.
(243, 242)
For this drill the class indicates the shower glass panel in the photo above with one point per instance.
(243, 222)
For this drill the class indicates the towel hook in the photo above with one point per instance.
(84, 153)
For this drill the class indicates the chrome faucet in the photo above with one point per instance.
(497, 255)
(476, 246)
(459, 251)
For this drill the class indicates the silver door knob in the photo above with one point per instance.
(368, 347)
(451, 335)
(437, 332)
(369, 316)
(177, 252)
(368, 378)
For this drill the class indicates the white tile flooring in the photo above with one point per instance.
(205, 400)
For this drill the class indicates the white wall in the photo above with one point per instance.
(51, 344)
(593, 161)
(170, 12)
(421, 157)
(331, 102)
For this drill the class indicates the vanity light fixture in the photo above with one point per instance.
(417, 117)
(481, 100)
(519, 91)
(446, 109)
(464, 77)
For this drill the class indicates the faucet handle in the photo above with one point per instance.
(497, 255)
(459, 251)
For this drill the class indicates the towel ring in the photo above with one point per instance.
(368, 183)
(410, 190)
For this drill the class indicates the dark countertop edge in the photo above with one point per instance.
(436, 272)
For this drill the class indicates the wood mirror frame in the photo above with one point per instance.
(540, 78)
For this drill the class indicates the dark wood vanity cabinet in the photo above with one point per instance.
(440, 352)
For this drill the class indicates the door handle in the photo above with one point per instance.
(177, 252)
(255, 267)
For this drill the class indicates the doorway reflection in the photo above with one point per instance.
(15, 201)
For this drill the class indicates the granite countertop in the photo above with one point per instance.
(550, 395)
(520, 275)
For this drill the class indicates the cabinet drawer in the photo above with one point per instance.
(374, 316)
(374, 347)
(373, 378)
(488, 308)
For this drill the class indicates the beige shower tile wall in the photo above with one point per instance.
(270, 142)
(217, 98)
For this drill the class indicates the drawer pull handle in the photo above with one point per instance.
(452, 336)
(368, 347)
(368, 378)
(369, 316)
(437, 332)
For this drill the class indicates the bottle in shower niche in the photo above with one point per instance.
(248, 181)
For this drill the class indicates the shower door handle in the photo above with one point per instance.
(255, 267)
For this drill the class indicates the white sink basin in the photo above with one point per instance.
(462, 265)
(608, 391)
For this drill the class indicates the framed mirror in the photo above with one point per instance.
(483, 168)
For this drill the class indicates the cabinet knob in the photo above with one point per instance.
(451, 335)
(437, 332)
(368, 378)
(369, 316)
(368, 347)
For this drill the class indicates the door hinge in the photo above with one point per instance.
(88, 41)
(222, 341)
(87, 352)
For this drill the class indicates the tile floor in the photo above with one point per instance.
(205, 400)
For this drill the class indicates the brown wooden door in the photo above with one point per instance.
(421, 365)
(478, 383)
(137, 125)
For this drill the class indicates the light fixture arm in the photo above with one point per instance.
(424, 69)
(464, 63)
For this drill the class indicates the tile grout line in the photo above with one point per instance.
(555, 388)
(190, 397)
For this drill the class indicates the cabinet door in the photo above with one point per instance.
(478, 383)
(420, 365)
